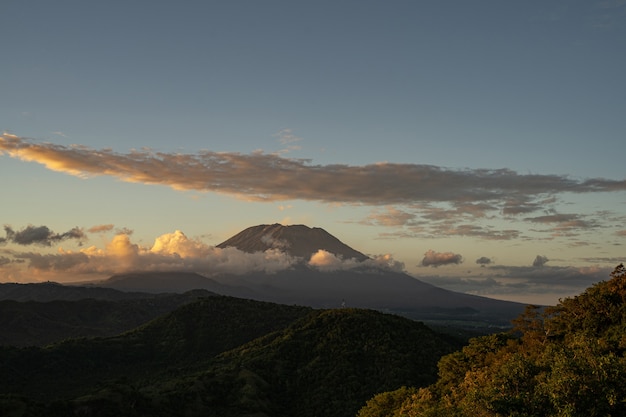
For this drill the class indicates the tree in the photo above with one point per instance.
(386, 404)
(567, 361)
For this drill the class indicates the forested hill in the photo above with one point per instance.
(567, 361)
(331, 362)
(36, 323)
(223, 356)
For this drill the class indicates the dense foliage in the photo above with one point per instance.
(563, 361)
(223, 356)
(190, 336)
(330, 363)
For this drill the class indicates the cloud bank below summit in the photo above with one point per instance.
(170, 252)
(177, 252)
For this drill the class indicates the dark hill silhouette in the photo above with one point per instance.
(53, 291)
(187, 337)
(35, 323)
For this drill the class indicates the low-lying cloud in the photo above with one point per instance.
(329, 262)
(169, 252)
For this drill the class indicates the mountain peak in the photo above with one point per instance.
(297, 240)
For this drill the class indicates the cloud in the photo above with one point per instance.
(564, 221)
(391, 216)
(179, 244)
(435, 259)
(289, 139)
(427, 220)
(540, 261)
(177, 252)
(474, 230)
(385, 261)
(101, 228)
(271, 177)
(170, 252)
(39, 235)
(326, 261)
(510, 282)
(274, 243)
(483, 260)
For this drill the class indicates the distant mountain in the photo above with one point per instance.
(34, 323)
(51, 291)
(163, 282)
(296, 240)
(365, 286)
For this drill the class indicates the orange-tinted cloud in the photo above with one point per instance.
(101, 228)
(271, 177)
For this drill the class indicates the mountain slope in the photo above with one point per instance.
(170, 281)
(188, 337)
(50, 291)
(33, 323)
(328, 363)
(357, 283)
(297, 240)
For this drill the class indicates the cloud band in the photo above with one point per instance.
(271, 177)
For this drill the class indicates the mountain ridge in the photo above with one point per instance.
(359, 283)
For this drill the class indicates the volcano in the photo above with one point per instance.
(297, 240)
(363, 284)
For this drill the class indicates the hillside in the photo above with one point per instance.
(33, 323)
(227, 357)
(169, 282)
(188, 336)
(567, 361)
(331, 362)
(297, 240)
(52, 291)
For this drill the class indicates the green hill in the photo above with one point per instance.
(187, 337)
(332, 361)
(224, 356)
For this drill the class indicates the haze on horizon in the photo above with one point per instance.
(478, 147)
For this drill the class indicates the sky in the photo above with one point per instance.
(478, 146)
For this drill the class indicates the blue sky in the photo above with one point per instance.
(439, 132)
